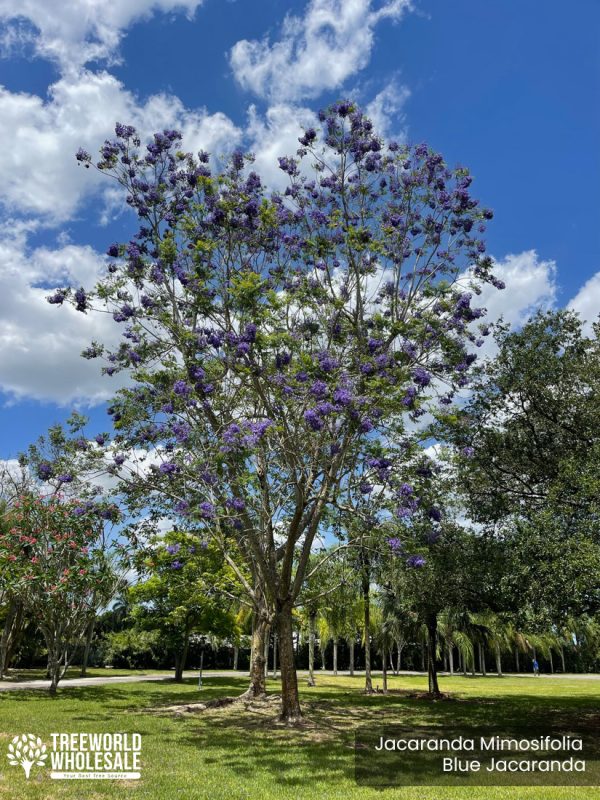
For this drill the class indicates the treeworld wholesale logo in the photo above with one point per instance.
(80, 756)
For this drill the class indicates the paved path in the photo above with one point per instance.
(12, 686)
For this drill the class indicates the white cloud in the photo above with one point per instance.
(316, 52)
(587, 302)
(74, 32)
(385, 107)
(40, 344)
(276, 134)
(39, 172)
(530, 284)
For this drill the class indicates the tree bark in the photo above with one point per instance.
(266, 653)
(8, 633)
(384, 668)
(89, 635)
(518, 666)
(551, 662)
(562, 658)
(257, 688)
(482, 660)
(181, 657)
(236, 655)
(451, 658)
(290, 701)
(351, 648)
(274, 656)
(312, 622)
(498, 661)
(434, 689)
(335, 656)
(366, 591)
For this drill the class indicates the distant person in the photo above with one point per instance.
(536, 667)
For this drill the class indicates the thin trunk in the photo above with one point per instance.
(366, 591)
(399, 660)
(463, 661)
(384, 667)
(446, 667)
(498, 661)
(236, 655)
(351, 648)
(335, 655)
(266, 654)
(517, 665)
(451, 658)
(434, 689)
(482, 660)
(290, 701)
(551, 662)
(312, 621)
(54, 664)
(562, 658)
(89, 635)
(274, 656)
(8, 634)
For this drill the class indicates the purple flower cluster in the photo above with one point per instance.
(245, 435)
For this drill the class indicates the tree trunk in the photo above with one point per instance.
(290, 701)
(399, 660)
(181, 657)
(54, 660)
(423, 656)
(366, 591)
(562, 658)
(351, 648)
(335, 655)
(89, 635)
(451, 658)
(463, 662)
(8, 634)
(518, 666)
(446, 667)
(498, 662)
(434, 689)
(312, 622)
(266, 653)
(236, 655)
(482, 660)
(274, 656)
(257, 688)
(384, 668)
(551, 662)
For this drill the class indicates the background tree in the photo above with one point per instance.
(54, 562)
(180, 593)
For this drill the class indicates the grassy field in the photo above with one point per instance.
(231, 754)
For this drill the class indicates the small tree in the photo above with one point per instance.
(179, 594)
(52, 561)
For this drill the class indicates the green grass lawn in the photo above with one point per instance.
(229, 754)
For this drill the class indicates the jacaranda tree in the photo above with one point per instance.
(277, 342)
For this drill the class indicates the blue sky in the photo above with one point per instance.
(508, 88)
